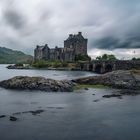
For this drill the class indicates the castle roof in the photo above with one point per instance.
(41, 47)
(78, 36)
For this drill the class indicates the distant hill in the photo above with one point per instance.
(9, 56)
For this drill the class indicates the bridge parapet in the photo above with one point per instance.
(107, 66)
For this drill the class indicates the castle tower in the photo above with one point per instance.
(75, 45)
(41, 53)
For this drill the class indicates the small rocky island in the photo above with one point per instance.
(129, 80)
(37, 83)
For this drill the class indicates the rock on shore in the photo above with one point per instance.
(129, 79)
(37, 83)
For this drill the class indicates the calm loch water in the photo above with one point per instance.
(80, 115)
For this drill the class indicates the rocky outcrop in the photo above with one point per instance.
(112, 95)
(129, 80)
(37, 83)
(117, 79)
(13, 119)
(19, 66)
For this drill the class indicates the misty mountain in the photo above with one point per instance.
(9, 56)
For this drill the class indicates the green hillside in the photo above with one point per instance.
(9, 56)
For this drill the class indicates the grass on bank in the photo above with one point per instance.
(78, 87)
(53, 64)
(134, 71)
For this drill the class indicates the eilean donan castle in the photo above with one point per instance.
(75, 45)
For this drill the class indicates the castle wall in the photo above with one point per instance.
(45, 53)
(52, 54)
(38, 54)
(56, 54)
(81, 47)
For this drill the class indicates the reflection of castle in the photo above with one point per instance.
(73, 46)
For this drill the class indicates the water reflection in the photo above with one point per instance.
(9, 73)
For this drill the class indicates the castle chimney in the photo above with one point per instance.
(70, 35)
(46, 45)
(79, 33)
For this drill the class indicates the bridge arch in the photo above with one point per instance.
(98, 68)
(82, 67)
(108, 68)
(91, 67)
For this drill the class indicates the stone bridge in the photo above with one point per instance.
(107, 66)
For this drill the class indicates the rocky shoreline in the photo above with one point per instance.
(26, 67)
(129, 80)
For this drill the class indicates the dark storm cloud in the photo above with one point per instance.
(111, 43)
(118, 25)
(14, 18)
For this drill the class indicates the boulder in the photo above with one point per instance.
(37, 83)
(13, 119)
(112, 95)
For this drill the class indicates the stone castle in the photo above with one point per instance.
(75, 45)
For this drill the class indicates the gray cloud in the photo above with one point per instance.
(108, 24)
(14, 18)
(111, 43)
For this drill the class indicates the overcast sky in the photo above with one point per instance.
(111, 26)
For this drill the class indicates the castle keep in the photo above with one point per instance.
(73, 46)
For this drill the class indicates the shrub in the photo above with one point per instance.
(107, 57)
(53, 64)
(40, 64)
(81, 57)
